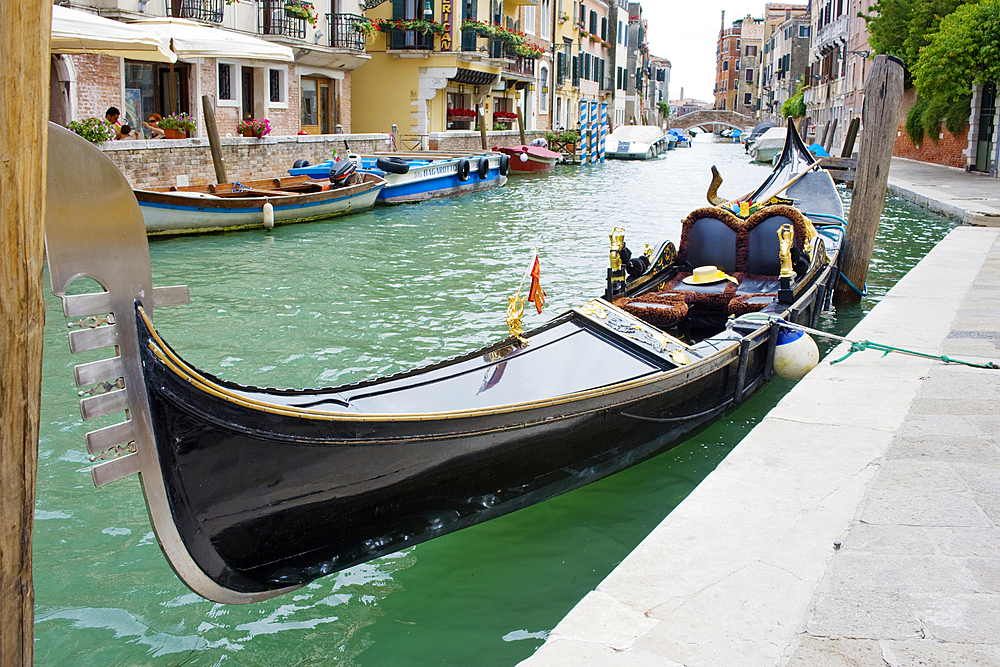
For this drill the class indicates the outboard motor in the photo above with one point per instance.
(342, 173)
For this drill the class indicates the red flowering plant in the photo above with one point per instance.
(504, 115)
(529, 50)
(301, 9)
(416, 25)
(462, 113)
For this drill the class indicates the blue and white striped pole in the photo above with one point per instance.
(583, 132)
(593, 132)
(603, 127)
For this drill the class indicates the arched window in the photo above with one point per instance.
(543, 98)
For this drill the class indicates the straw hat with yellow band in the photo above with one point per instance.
(705, 275)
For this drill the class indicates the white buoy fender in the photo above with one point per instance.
(523, 157)
(795, 354)
(268, 215)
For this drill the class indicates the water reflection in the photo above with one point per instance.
(369, 294)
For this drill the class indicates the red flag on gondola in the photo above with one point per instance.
(536, 294)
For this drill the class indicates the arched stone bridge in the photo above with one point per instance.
(710, 117)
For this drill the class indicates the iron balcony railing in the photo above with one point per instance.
(272, 20)
(200, 10)
(344, 32)
(409, 40)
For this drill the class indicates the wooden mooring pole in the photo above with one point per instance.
(883, 93)
(214, 145)
(520, 125)
(482, 126)
(24, 104)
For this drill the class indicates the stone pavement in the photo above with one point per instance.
(969, 197)
(857, 524)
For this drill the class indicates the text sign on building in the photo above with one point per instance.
(446, 22)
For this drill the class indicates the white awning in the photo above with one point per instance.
(193, 40)
(81, 32)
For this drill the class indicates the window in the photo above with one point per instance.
(586, 66)
(560, 67)
(593, 22)
(751, 50)
(277, 87)
(225, 82)
(803, 31)
(621, 33)
(529, 20)
(725, 65)
(583, 14)
(749, 75)
(746, 100)
(543, 97)
(619, 80)
(546, 14)
(604, 28)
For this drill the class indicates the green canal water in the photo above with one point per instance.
(331, 302)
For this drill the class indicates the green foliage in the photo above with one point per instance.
(795, 106)
(94, 130)
(958, 114)
(664, 108)
(964, 51)
(902, 27)
(915, 121)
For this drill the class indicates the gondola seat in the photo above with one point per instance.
(746, 249)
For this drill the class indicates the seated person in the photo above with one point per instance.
(125, 132)
(112, 115)
(153, 125)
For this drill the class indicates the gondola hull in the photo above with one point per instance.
(254, 491)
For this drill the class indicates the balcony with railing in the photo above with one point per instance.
(272, 19)
(409, 40)
(200, 10)
(345, 31)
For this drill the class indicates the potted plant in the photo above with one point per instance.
(529, 50)
(300, 9)
(366, 27)
(177, 125)
(569, 138)
(94, 130)
(254, 127)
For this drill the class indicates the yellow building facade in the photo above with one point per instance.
(428, 75)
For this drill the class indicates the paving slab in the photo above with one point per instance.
(968, 197)
(857, 524)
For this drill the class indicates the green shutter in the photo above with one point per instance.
(398, 12)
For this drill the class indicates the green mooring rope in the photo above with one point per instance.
(859, 346)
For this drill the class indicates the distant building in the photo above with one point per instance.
(658, 89)
(785, 55)
(727, 61)
(746, 97)
(685, 105)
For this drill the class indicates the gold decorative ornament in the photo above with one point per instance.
(786, 236)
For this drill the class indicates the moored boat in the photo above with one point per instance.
(635, 142)
(530, 159)
(420, 175)
(253, 491)
(230, 206)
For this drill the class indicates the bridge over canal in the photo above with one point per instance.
(709, 117)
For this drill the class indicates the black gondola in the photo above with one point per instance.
(255, 491)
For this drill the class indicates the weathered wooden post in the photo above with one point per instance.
(520, 125)
(482, 126)
(883, 93)
(852, 135)
(828, 144)
(213, 140)
(24, 102)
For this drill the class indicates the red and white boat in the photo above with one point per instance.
(530, 159)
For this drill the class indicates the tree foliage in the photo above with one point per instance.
(902, 27)
(795, 106)
(964, 51)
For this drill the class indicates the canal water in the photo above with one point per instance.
(332, 302)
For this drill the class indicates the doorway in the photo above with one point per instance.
(248, 98)
(987, 123)
(320, 114)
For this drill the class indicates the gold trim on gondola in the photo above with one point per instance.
(189, 374)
